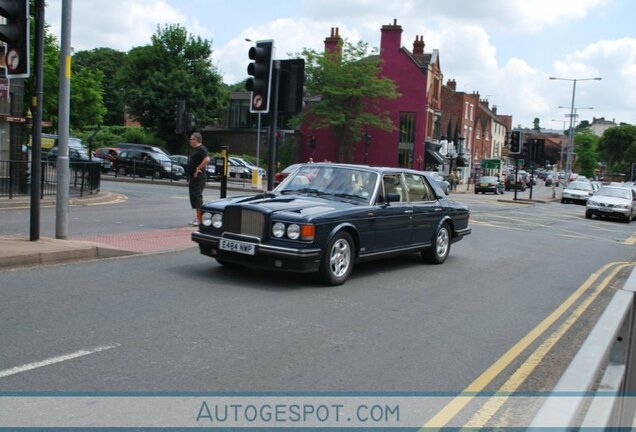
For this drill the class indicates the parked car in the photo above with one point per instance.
(443, 183)
(510, 184)
(282, 175)
(109, 154)
(249, 165)
(78, 154)
(144, 147)
(323, 218)
(489, 184)
(577, 191)
(148, 164)
(612, 201)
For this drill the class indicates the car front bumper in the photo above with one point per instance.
(265, 256)
(608, 211)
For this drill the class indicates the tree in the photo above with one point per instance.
(175, 66)
(536, 125)
(109, 62)
(349, 89)
(586, 144)
(86, 103)
(617, 147)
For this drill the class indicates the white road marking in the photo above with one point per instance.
(53, 360)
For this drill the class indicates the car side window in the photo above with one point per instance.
(392, 185)
(418, 188)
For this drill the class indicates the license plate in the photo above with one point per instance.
(238, 247)
(484, 185)
(603, 209)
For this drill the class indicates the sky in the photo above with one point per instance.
(504, 49)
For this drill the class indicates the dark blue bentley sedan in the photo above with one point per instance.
(326, 217)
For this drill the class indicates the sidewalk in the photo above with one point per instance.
(17, 251)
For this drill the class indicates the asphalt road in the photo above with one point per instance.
(180, 322)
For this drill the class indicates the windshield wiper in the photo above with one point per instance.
(303, 191)
(346, 195)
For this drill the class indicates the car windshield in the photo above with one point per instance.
(488, 179)
(584, 186)
(339, 182)
(614, 192)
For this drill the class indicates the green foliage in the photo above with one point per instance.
(586, 143)
(617, 147)
(536, 126)
(109, 62)
(349, 91)
(175, 66)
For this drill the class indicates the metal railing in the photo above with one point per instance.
(598, 388)
(15, 178)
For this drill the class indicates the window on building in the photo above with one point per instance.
(240, 116)
(472, 107)
(407, 139)
(466, 110)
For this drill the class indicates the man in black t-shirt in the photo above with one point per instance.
(196, 173)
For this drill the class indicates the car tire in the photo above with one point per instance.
(156, 175)
(337, 261)
(121, 171)
(439, 250)
(588, 215)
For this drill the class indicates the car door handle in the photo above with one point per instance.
(408, 211)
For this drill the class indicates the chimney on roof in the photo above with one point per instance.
(418, 45)
(452, 84)
(333, 43)
(391, 38)
(494, 109)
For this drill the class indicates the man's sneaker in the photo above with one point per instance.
(195, 223)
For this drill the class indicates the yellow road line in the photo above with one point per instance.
(458, 403)
(493, 405)
(631, 240)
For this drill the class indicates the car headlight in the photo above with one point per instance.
(293, 231)
(278, 229)
(592, 202)
(217, 220)
(622, 206)
(206, 219)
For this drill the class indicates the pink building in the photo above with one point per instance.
(416, 114)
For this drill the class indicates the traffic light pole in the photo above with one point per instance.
(273, 141)
(36, 151)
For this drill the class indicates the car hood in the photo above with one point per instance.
(607, 200)
(300, 205)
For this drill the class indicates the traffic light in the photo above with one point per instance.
(261, 71)
(291, 91)
(15, 33)
(515, 142)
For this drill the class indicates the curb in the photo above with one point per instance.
(55, 251)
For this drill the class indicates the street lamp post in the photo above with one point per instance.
(568, 154)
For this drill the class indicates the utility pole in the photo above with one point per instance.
(36, 153)
(62, 164)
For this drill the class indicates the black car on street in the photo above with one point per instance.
(324, 217)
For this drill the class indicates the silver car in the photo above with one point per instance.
(612, 201)
(577, 191)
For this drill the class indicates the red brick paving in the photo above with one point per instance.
(145, 241)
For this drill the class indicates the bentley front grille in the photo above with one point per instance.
(244, 222)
